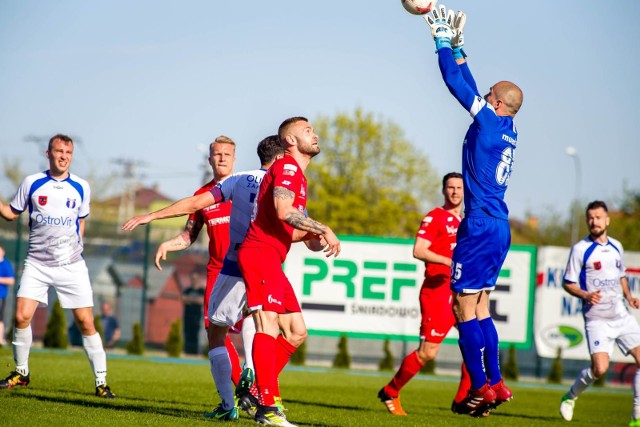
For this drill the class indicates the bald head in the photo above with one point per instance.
(510, 95)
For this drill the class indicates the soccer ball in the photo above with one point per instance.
(419, 7)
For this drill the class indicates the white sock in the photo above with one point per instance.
(584, 380)
(636, 395)
(221, 373)
(22, 339)
(248, 332)
(97, 357)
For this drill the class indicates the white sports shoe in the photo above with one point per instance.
(566, 407)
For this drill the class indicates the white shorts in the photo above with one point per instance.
(71, 283)
(601, 334)
(228, 301)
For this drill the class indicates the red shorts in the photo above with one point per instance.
(212, 276)
(267, 286)
(437, 314)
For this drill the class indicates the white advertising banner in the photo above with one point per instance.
(372, 291)
(558, 315)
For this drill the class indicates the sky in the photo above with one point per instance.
(153, 82)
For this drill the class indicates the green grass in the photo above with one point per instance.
(176, 392)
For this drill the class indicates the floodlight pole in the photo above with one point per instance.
(573, 153)
(145, 278)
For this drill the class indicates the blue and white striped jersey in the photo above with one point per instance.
(242, 188)
(55, 208)
(596, 266)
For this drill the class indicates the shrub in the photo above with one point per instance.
(342, 359)
(299, 357)
(510, 370)
(555, 374)
(56, 333)
(136, 345)
(174, 341)
(429, 368)
(97, 323)
(387, 362)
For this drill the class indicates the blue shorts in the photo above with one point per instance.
(482, 245)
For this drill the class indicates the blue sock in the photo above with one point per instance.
(471, 344)
(491, 351)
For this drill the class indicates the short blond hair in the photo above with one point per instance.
(222, 139)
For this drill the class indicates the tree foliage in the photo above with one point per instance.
(56, 334)
(368, 179)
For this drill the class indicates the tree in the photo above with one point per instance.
(56, 333)
(136, 345)
(387, 362)
(299, 357)
(368, 179)
(342, 359)
(174, 341)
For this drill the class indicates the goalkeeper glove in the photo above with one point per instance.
(457, 25)
(440, 27)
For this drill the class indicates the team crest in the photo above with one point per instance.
(42, 200)
(597, 265)
(71, 203)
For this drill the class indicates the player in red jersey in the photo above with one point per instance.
(222, 156)
(280, 219)
(434, 245)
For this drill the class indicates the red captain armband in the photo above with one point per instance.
(217, 194)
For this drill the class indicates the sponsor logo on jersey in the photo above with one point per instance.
(218, 221)
(71, 203)
(452, 231)
(303, 193)
(285, 182)
(435, 334)
(288, 172)
(597, 265)
(272, 300)
(427, 220)
(508, 139)
(291, 167)
(57, 221)
(42, 200)
(618, 263)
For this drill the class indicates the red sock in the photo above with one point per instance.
(284, 350)
(264, 362)
(236, 369)
(465, 384)
(409, 368)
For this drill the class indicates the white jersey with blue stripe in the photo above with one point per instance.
(242, 188)
(487, 153)
(599, 267)
(55, 208)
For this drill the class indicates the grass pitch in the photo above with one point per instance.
(176, 392)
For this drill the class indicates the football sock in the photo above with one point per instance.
(220, 365)
(584, 380)
(465, 384)
(22, 340)
(248, 332)
(264, 360)
(636, 395)
(284, 350)
(236, 369)
(491, 351)
(97, 357)
(408, 369)
(471, 344)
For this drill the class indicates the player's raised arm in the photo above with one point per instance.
(185, 206)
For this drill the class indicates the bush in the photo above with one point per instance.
(510, 370)
(97, 323)
(429, 368)
(299, 357)
(602, 381)
(136, 345)
(174, 341)
(555, 374)
(342, 359)
(56, 334)
(387, 362)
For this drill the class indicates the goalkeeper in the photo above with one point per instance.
(484, 235)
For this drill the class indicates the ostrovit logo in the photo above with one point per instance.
(55, 221)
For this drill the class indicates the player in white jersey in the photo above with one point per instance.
(595, 273)
(57, 202)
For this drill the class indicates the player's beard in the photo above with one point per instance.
(595, 233)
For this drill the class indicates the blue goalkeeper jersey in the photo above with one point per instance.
(487, 153)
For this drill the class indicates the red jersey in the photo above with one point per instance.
(216, 219)
(440, 227)
(267, 229)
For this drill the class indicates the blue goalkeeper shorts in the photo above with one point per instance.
(482, 245)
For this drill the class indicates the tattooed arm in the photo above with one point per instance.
(283, 199)
(181, 241)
